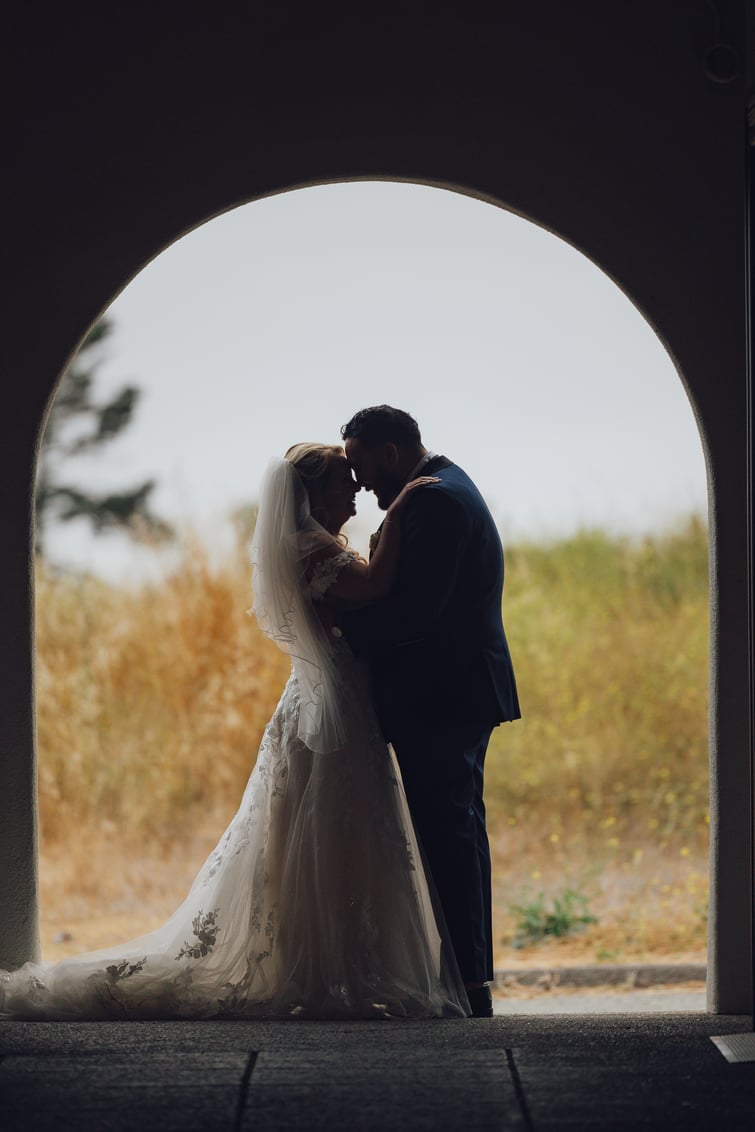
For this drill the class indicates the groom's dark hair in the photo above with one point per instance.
(382, 424)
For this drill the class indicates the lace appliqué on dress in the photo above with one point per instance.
(326, 572)
(313, 904)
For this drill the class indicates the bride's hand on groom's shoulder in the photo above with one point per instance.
(407, 490)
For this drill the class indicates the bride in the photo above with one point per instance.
(315, 902)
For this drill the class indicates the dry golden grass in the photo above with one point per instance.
(152, 701)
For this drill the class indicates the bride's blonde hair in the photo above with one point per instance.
(314, 462)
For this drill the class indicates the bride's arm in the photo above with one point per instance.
(366, 581)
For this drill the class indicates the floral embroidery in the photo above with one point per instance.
(124, 970)
(251, 974)
(206, 928)
(326, 572)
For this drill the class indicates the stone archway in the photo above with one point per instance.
(177, 310)
(631, 152)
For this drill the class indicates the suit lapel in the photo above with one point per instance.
(374, 540)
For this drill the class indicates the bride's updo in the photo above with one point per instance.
(313, 463)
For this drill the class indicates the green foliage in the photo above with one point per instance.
(567, 915)
(609, 638)
(79, 424)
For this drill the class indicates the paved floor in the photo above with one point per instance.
(600, 1072)
(650, 1000)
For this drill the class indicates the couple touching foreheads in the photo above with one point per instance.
(354, 881)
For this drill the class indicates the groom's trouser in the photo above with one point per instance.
(443, 780)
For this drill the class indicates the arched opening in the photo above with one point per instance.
(459, 416)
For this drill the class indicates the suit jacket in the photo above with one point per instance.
(436, 644)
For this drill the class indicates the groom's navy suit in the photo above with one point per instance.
(443, 679)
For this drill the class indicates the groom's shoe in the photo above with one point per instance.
(481, 1001)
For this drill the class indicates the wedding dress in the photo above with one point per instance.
(315, 902)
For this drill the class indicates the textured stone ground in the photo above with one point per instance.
(525, 1072)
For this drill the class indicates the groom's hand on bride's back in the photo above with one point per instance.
(326, 615)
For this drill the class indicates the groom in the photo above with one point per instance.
(441, 668)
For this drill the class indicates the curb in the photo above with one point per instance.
(621, 974)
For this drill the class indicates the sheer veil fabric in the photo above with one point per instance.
(285, 536)
(315, 902)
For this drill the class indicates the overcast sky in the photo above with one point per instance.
(272, 324)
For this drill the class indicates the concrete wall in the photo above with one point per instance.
(596, 120)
